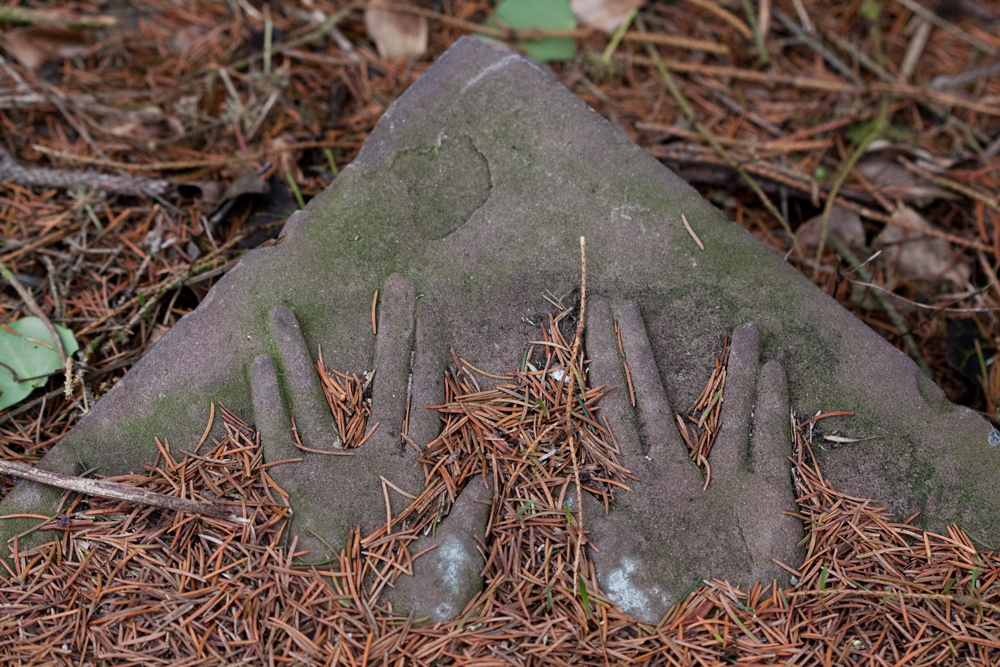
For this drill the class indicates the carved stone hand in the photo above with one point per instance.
(657, 541)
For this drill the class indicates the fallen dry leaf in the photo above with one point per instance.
(247, 182)
(155, 335)
(897, 183)
(142, 126)
(288, 160)
(907, 254)
(35, 45)
(206, 190)
(844, 224)
(604, 15)
(396, 34)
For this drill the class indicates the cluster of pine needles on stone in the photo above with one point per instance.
(123, 585)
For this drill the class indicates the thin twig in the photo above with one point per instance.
(873, 132)
(113, 490)
(675, 91)
(933, 18)
(887, 307)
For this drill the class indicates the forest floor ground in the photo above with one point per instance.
(145, 146)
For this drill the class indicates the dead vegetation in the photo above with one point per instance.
(126, 585)
(143, 150)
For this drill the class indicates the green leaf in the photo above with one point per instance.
(545, 412)
(857, 132)
(584, 596)
(528, 504)
(544, 15)
(870, 9)
(26, 359)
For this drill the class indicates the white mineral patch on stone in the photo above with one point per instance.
(629, 596)
(29, 496)
(453, 562)
(444, 612)
(452, 567)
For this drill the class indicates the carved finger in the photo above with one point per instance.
(298, 373)
(769, 533)
(393, 350)
(430, 358)
(730, 453)
(606, 370)
(771, 444)
(272, 422)
(269, 413)
(654, 415)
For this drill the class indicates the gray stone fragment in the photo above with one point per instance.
(464, 207)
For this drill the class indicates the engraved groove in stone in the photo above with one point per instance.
(393, 349)
(305, 398)
(660, 439)
(446, 183)
(729, 455)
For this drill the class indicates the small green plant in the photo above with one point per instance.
(28, 357)
(584, 596)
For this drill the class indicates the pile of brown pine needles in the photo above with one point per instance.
(124, 585)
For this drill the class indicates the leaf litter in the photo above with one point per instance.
(127, 585)
(89, 172)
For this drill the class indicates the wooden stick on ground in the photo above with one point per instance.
(114, 491)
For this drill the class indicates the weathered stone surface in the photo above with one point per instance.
(441, 586)
(464, 206)
(735, 527)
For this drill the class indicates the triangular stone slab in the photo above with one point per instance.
(464, 207)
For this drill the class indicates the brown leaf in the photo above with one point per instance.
(844, 224)
(604, 15)
(155, 335)
(35, 45)
(142, 125)
(918, 257)
(288, 160)
(896, 183)
(208, 191)
(396, 34)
